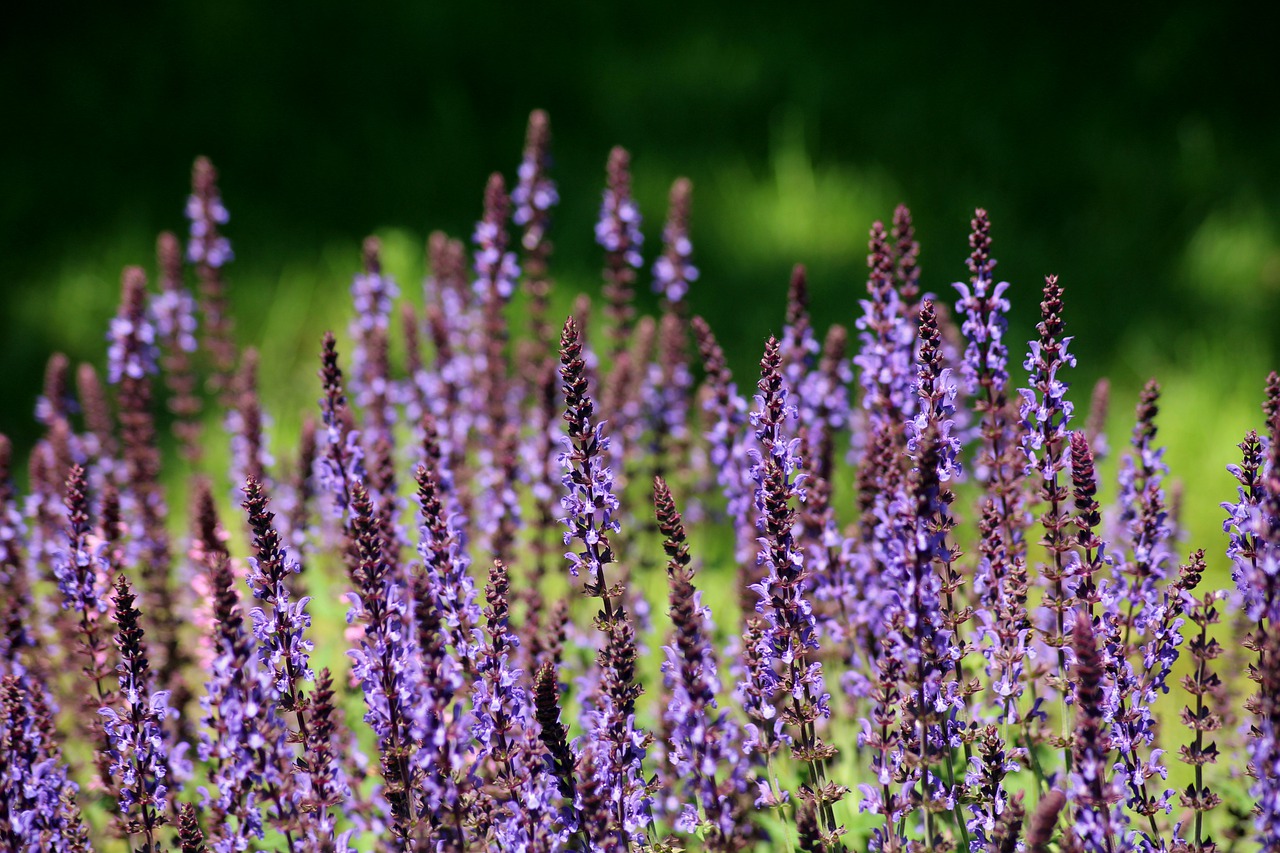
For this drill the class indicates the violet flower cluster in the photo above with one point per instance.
(544, 654)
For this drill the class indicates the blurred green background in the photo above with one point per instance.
(1138, 156)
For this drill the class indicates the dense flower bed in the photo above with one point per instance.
(933, 637)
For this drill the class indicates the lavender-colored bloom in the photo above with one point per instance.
(245, 740)
(1098, 821)
(535, 192)
(135, 729)
(497, 511)
(503, 718)
(1046, 413)
(246, 423)
(986, 778)
(55, 401)
(887, 345)
(728, 444)
(283, 647)
(445, 562)
(205, 210)
(383, 665)
(936, 390)
(496, 268)
(589, 502)
(1244, 524)
(343, 462)
(673, 272)
(82, 569)
(666, 394)
(132, 351)
(175, 313)
(1264, 745)
(985, 312)
(373, 294)
(38, 812)
(798, 346)
(618, 229)
(704, 741)
(14, 633)
(1143, 523)
(590, 506)
(444, 613)
(792, 674)
(618, 232)
(1045, 409)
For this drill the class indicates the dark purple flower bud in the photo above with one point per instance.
(906, 255)
(561, 761)
(1044, 820)
(189, 835)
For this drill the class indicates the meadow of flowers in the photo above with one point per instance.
(601, 594)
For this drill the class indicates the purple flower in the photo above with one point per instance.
(246, 738)
(283, 647)
(384, 666)
(985, 312)
(792, 674)
(618, 233)
(373, 294)
(1046, 414)
(887, 344)
(206, 212)
(135, 729)
(535, 193)
(589, 503)
(672, 271)
(1247, 525)
(175, 318)
(133, 350)
(1098, 820)
(728, 445)
(704, 741)
(503, 717)
(1045, 409)
(496, 268)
